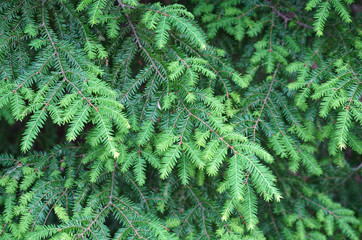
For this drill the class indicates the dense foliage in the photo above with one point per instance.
(126, 119)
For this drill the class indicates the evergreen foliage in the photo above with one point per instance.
(209, 120)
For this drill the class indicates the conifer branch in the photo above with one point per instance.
(173, 121)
